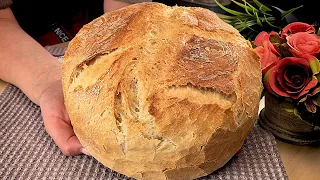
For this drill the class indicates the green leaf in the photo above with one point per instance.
(253, 30)
(233, 18)
(275, 38)
(286, 13)
(268, 18)
(266, 78)
(250, 8)
(315, 66)
(284, 50)
(261, 6)
(244, 6)
(258, 20)
(251, 35)
(318, 77)
(270, 24)
(318, 33)
(242, 25)
(236, 13)
(256, 10)
(252, 44)
(317, 98)
(289, 110)
(296, 112)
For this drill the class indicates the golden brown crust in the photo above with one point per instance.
(157, 92)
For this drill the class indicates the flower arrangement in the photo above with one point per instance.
(289, 51)
(290, 67)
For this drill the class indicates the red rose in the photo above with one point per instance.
(263, 36)
(296, 27)
(269, 55)
(291, 77)
(303, 43)
(260, 38)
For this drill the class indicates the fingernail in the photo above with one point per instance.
(84, 151)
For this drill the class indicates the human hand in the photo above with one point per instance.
(56, 120)
(38, 74)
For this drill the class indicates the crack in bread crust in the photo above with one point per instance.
(202, 93)
(87, 62)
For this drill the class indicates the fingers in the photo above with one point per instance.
(62, 133)
(57, 122)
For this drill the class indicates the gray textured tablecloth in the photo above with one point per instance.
(27, 152)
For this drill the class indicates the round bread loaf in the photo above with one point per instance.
(159, 92)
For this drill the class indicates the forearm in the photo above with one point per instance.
(24, 62)
(110, 5)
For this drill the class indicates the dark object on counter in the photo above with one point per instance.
(287, 126)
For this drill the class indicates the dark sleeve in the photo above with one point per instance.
(5, 4)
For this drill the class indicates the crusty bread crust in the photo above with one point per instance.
(158, 92)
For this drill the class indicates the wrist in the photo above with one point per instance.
(44, 80)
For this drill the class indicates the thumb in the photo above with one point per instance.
(62, 133)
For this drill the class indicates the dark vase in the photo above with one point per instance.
(286, 126)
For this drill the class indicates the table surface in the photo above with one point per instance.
(300, 162)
